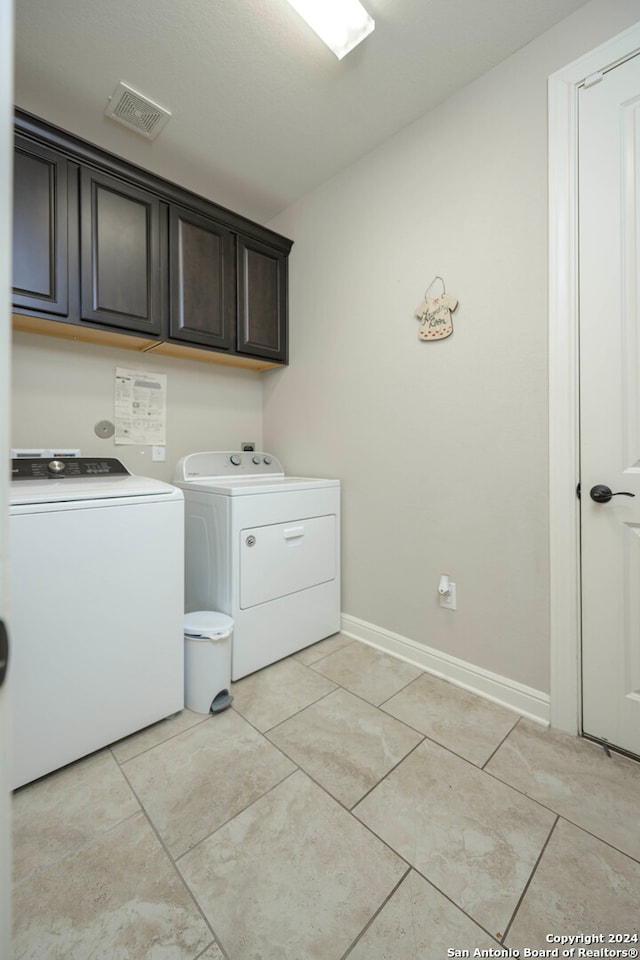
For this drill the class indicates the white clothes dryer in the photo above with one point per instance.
(263, 548)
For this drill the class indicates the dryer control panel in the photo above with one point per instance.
(227, 464)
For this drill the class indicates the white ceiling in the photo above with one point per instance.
(261, 110)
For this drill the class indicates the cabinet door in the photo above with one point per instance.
(262, 300)
(40, 252)
(119, 254)
(202, 272)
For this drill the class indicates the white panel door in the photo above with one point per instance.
(609, 171)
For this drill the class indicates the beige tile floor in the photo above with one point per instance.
(346, 806)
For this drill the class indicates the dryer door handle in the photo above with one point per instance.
(293, 533)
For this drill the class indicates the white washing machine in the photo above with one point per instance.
(263, 548)
(97, 608)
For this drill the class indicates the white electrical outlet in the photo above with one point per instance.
(448, 600)
(158, 454)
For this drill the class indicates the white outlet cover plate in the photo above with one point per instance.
(449, 600)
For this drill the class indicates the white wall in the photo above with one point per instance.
(441, 447)
(62, 388)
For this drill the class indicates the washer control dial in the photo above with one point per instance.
(56, 467)
(255, 460)
(235, 460)
(266, 460)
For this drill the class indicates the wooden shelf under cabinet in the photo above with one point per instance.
(111, 338)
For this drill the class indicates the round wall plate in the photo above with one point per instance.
(104, 429)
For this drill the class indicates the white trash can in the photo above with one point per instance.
(207, 661)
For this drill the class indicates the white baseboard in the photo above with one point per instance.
(501, 690)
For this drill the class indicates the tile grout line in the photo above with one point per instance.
(95, 837)
(40, 871)
(456, 905)
(529, 881)
(416, 869)
(504, 740)
(326, 655)
(297, 713)
(338, 686)
(376, 913)
(239, 813)
(174, 865)
(404, 687)
(563, 816)
(383, 654)
(172, 736)
(381, 781)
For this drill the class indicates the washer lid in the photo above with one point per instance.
(207, 625)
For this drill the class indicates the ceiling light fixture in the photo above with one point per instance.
(341, 24)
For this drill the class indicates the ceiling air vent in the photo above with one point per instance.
(136, 111)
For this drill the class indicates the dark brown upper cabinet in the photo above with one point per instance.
(262, 300)
(120, 266)
(121, 256)
(202, 275)
(40, 258)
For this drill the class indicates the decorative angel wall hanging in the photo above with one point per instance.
(434, 314)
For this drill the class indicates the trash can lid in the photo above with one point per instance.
(207, 624)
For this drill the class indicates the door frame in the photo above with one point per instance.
(564, 440)
(6, 202)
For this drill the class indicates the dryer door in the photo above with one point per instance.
(284, 558)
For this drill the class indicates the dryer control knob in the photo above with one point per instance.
(255, 460)
(235, 460)
(267, 460)
(56, 467)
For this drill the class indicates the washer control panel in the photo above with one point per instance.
(37, 468)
